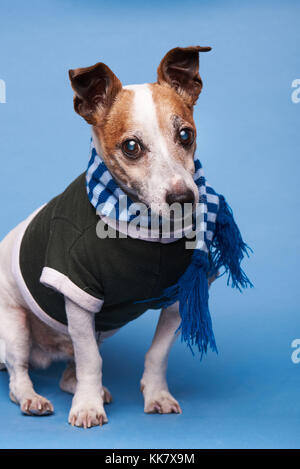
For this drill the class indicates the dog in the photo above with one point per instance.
(146, 136)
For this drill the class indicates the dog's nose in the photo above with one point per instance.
(180, 197)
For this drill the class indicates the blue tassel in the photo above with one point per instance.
(228, 248)
(191, 291)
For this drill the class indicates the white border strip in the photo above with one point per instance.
(28, 298)
(57, 281)
(52, 279)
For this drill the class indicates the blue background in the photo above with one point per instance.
(248, 141)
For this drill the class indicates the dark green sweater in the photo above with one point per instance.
(120, 271)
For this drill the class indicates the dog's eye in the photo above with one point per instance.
(186, 136)
(131, 148)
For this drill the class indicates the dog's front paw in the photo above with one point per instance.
(87, 414)
(161, 402)
(33, 404)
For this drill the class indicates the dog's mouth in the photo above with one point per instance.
(175, 219)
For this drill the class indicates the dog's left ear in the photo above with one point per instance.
(95, 90)
(180, 70)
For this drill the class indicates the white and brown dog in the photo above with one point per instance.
(147, 137)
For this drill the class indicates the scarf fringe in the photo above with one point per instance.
(191, 291)
(228, 248)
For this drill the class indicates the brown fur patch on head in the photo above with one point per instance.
(115, 127)
(167, 99)
(169, 103)
(172, 109)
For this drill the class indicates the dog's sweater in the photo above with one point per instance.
(61, 255)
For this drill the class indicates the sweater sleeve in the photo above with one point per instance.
(68, 266)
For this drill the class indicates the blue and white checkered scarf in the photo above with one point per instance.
(105, 195)
(218, 244)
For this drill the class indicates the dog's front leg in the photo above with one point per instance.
(154, 384)
(87, 405)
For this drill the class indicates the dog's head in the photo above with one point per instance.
(145, 133)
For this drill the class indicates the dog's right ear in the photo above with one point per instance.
(180, 69)
(95, 89)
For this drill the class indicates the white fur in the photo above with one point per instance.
(145, 116)
(154, 384)
(87, 406)
(15, 332)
